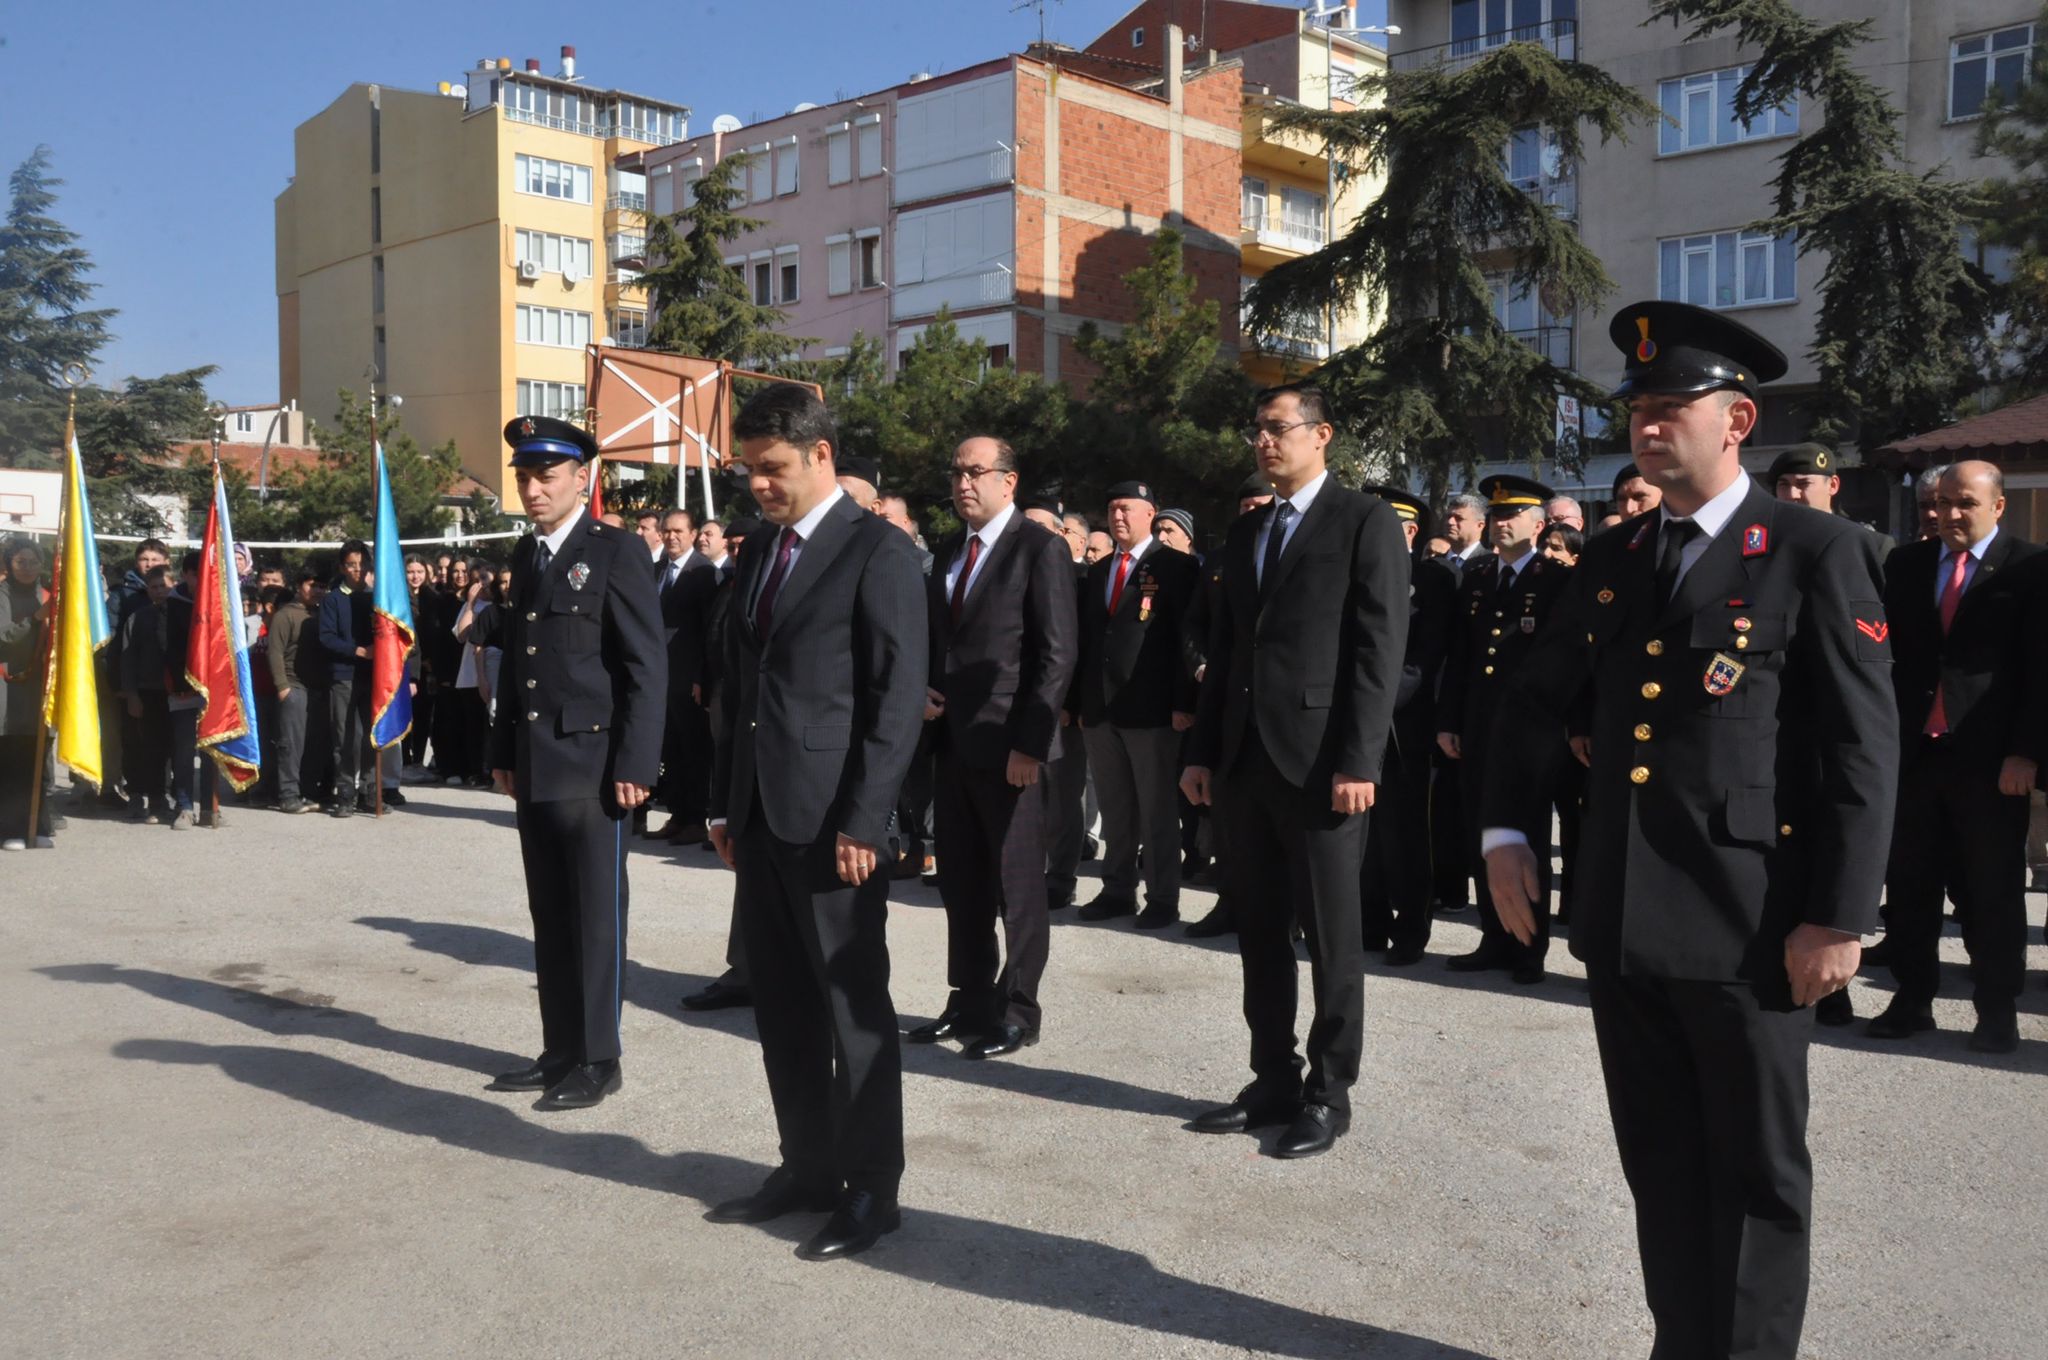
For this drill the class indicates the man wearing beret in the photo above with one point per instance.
(577, 744)
(1731, 654)
(1808, 474)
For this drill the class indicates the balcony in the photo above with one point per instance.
(1559, 193)
(1554, 343)
(1266, 240)
(1559, 37)
(1302, 338)
(626, 203)
(586, 127)
(628, 250)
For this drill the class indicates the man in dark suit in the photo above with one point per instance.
(1132, 697)
(1966, 615)
(576, 743)
(1502, 606)
(1002, 653)
(1728, 653)
(824, 671)
(1394, 886)
(1304, 662)
(685, 582)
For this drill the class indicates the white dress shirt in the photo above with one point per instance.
(988, 534)
(1711, 518)
(1300, 500)
(804, 527)
(561, 534)
(1947, 564)
(1137, 551)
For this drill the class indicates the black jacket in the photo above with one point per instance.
(1135, 668)
(1489, 639)
(1432, 618)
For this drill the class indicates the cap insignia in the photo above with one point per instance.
(1646, 348)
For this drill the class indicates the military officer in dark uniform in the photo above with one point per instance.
(577, 743)
(1502, 605)
(1731, 655)
(1394, 887)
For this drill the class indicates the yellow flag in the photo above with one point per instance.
(71, 692)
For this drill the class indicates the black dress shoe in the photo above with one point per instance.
(951, 1024)
(1878, 955)
(582, 1087)
(1313, 1131)
(1902, 1020)
(1251, 1110)
(858, 1222)
(537, 1075)
(719, 995)
(1001, 1040)
(1105, 908)
(393, 798)
(1996, 1032)
(1157, 918)
(1526, 974)
(1216, 923)
(1445, 907)
(1486, 956)
(1835, 1009)
(1404, 955)
(782, 1193)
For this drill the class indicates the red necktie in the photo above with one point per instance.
(1951, 600)
(1116, 587)
(966, 570)
(764, 604)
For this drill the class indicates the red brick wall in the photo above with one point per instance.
(1112, 161)
(1214, 94)
(1219, 25)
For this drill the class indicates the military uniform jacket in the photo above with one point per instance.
(1135, 667)
(1745, 749)
(1433, 604)
(1491, 634)
(583, 683)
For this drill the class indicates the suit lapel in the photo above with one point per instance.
(1992, 562)
(1321, 514)
(1005, 544)
(817, 554)
(1123, 603)
(1726, 565)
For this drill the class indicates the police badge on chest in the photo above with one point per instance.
(579, 575)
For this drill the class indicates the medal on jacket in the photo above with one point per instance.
(579, 575)
(1146, 590)
(1722, 673)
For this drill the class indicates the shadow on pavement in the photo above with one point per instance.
(991, 1260)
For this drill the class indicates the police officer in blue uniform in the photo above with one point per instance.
(577, 744)
(1728, 654)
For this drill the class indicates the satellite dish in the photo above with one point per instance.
(803, 108)
(725, 122)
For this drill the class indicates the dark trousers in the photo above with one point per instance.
(991, 866)
(424, 702)
(195, 779)
(288, 744)
(1394, 884)
(476, 732)
(1269, 828)
(686, 759)
(1064, 787)
(1137, 775)
(348, 725)
(264, 790)
(818, 953)
(316, 765)
(1493, 935)
(146, 755)
(1957, 835)
(1706, 1086)
(17, 781)
(1571, 816)
(1450, 862)
(451, 748)
(574, 851)
(914, 801)
(113, 741)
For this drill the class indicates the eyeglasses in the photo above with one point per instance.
(970, 474)
(1254, 433)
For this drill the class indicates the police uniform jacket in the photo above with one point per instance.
(1744, 745)
(1135, 668)
(583, 683)
(1490, 637)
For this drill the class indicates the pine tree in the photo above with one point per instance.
(1900, 338)
(2016, 216)
(45, 324)
(697, 303)
(333, 498)
(1439, 385)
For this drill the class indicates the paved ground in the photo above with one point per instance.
(247, 1119)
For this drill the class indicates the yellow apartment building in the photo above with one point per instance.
(467, 243)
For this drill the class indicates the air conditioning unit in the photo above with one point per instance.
(529, 270)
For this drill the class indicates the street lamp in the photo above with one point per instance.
(1332, 31)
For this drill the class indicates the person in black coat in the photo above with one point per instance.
(1730, 655)
(824, 680)
(684, 582)
(577, 744)
(1303, 666)
(1396, 880)
(1967, 632)
(1001, 614)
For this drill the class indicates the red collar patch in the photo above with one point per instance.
(1642, 532)
(1876, 632)
(1756, 541)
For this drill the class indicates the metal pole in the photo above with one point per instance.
(1329, 178)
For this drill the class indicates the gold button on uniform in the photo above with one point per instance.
(1741, 643)
(1489, 670)
(1640, 774)
(1496, 632)
(1642, 731)
(531, 616)
(531, 649)
(1652, 690)
(1785, 830)
(1654, 647)
(1491, 650)
(531, 716)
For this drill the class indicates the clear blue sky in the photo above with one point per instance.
(172, 123)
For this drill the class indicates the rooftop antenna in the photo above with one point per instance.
(1038, 5)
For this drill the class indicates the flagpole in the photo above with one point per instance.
(219, 412)
(377, 464)
(74, 376)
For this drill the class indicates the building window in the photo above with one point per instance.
(764, 278)
(568, 255)
(786, 273)
(998, 356)
(871, 258)
(869, 133)
(629, 328)
(1301, 214)
(1253, 194)
(1995, 260)
(1137, 37)
(376, 215)
(1477, 25)
(377, 351)
(556, 326)
(1699, 112)
(245, 423)
(376, 283)
(376, 139)
(543, 178)
(786, 167)
(1727, 269)
(760, 174)
(1998, 61)
(839, 153)
(563, 401)
(838, 265)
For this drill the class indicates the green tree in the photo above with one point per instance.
(333, 498)
(2016, 216)
(1439, 385)
(1166, 402)
(1901, 333)
(697, 303)
(45, 324)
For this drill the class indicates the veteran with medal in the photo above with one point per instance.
(1728, 654)
(577, 744)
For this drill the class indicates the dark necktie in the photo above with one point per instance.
(764, 604)
(966, 570)
(1670, 554)
(1504, 589)
(542, 555)
(1276, 542)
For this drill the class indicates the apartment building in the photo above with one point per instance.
(467, 242)
(1667, 211)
